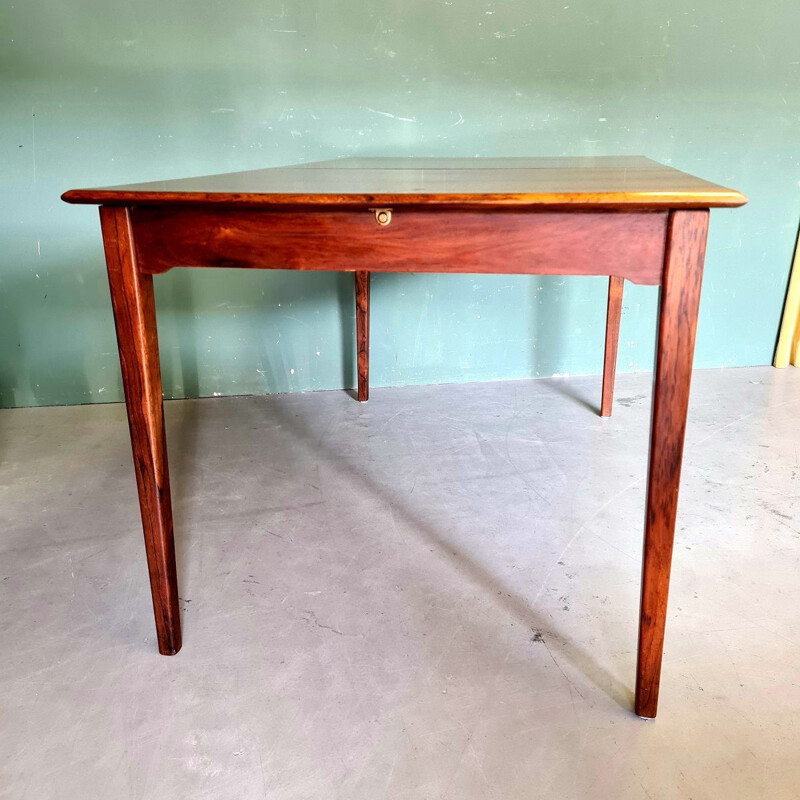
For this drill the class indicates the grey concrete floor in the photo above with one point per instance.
(433, 595)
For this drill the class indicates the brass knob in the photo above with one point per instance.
(383, 216)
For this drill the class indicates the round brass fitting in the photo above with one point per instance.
(383, 216)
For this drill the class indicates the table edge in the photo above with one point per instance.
(722, 198)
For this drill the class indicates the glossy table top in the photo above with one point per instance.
(597, 181)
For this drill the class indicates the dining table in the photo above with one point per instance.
(622, 217)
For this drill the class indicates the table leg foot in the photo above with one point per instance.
(362, 333)
(680, 296)
(135, 319)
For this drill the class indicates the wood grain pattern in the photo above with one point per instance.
(608, 182)
(613, 315)
(546, 243)
(680, 297)
(134, 316)
(362, 333)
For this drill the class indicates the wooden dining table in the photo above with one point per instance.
(627, 218)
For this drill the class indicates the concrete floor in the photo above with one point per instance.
(433, 595)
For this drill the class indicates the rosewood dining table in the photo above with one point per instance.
(621, 217)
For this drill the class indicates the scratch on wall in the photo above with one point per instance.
(390, 116)
(33, 142)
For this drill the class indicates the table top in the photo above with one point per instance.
(596, 181)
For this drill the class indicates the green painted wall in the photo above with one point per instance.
(96, 92)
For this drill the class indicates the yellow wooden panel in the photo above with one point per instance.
(788, 349)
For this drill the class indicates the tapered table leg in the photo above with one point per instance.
(362, 333)
(680, 295)
(135, 319)
(612, 340)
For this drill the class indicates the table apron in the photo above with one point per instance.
(624, 244)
